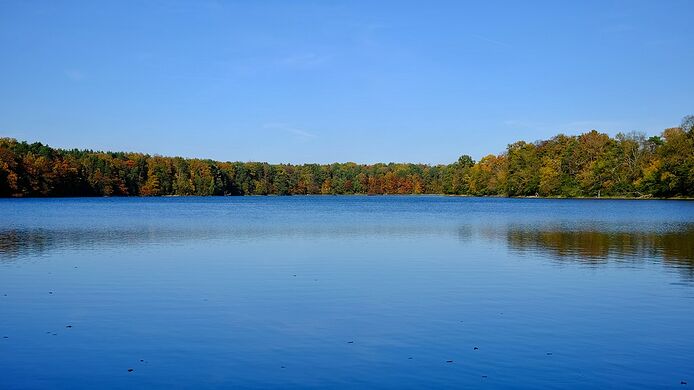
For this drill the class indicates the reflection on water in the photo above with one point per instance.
(345, 292)
(674, 247)
(594, 246)
(591, 245)
(16, 243)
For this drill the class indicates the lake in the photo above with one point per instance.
(346, 292)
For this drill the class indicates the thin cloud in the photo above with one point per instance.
(304, 60)
(489, 40)
(74, 75)
(618, 28)
(518, 123)
(367, 34)
(290, 129)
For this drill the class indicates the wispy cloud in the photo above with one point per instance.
(367, 34)
(618, 28)
(74, 74)
(489, 40)
(518, 123)
(304, 60)
(301, 133)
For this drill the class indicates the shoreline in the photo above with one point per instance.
(362, 195)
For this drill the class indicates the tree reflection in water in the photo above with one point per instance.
(591, 245)
(673, 245)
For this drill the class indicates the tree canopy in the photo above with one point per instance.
(591, 164)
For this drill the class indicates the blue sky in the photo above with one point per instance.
(325, 81)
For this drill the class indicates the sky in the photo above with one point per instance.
(335, 81)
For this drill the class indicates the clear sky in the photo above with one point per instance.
(324, 81)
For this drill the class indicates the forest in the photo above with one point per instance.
(591, 164)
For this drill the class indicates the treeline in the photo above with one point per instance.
(588, 165)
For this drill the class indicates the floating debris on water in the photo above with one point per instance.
(130, 370)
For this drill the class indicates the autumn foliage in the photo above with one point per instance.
(588, 165)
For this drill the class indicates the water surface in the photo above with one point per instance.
(346, 292)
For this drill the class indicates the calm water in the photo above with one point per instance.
(346, 292)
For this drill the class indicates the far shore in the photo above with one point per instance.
(366, 195)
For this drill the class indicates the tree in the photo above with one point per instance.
(523, 169)
(590, 164)
(550, 177)
(688, 125)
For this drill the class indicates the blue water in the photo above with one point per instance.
(346, 292)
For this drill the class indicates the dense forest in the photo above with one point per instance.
(592, 164)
